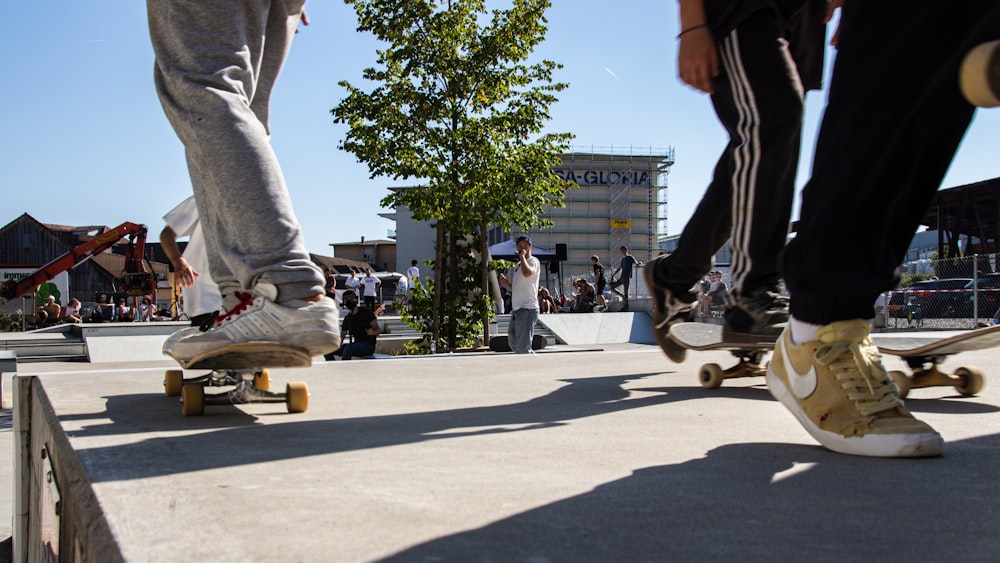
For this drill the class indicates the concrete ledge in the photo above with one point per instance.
(136, 348)
(600, 328)
(56, 513)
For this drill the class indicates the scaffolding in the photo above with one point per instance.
(634, 182)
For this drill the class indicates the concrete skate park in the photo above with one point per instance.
(597, 448)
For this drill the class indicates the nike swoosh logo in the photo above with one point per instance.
(802, 384)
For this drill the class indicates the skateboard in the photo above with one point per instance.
(924, 354)
(979, 75)
(240, 366)
(502, 344)
(751, 350)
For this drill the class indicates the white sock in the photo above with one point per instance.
(802, 331)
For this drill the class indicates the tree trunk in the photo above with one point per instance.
(438, 281)
(484, 270)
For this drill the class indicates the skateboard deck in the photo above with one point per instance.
(250, 355)
(923, 354)
(502, 344)
(244, 368)
(751, 349)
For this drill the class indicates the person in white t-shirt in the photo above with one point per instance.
(371, 284)
(202, 299)
(523, 286)
(353, 283)
(413, 275)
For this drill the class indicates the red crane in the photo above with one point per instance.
(136, 279)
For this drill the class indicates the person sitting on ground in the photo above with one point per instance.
(124, 312)
(71, 313)
(50, 313)
(362, 327)
(147, 311)
(546, 304)
(104, 311)
(583, 301)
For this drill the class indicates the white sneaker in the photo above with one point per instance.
(838, 390)
(313, 328)
(177, 336)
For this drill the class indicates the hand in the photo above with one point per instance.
(303, 19)
(832, 7)
(697, 59)
(185, 274)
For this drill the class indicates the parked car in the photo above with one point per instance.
(947, 297)
(987, 288)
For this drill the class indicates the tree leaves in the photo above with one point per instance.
(456, 108)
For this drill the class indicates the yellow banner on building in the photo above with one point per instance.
(621, 223)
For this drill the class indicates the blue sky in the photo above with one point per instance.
(85, 141)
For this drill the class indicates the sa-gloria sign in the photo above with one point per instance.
(604, 177)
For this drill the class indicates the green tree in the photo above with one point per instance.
(456, 106)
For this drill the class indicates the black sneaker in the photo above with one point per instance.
(668, 310)
(756, 312)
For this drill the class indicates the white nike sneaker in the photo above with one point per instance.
(838, 390)
(313, 328)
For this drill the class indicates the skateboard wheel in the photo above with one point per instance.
(262, 380)
(193, 400)
(297, 397)
(979, 75)
(173, 380)
(901, 381)
(971, 381)
(711, 376)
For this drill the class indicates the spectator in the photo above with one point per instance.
(413, 275)
(124, 313)
(71, 313)
(600, 280)
(546, 304)
(715, 295)
(371, 285)
(360, 326)
(627, 264)
(103, 312)
(50, 313)
(353, 283)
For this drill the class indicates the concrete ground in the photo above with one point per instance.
(612, 455)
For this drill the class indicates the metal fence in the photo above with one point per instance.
(955, 293)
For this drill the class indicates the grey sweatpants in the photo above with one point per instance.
(216, 63)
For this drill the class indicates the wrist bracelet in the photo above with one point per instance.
(692, 28)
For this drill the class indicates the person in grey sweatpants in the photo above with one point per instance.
(216, 63)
